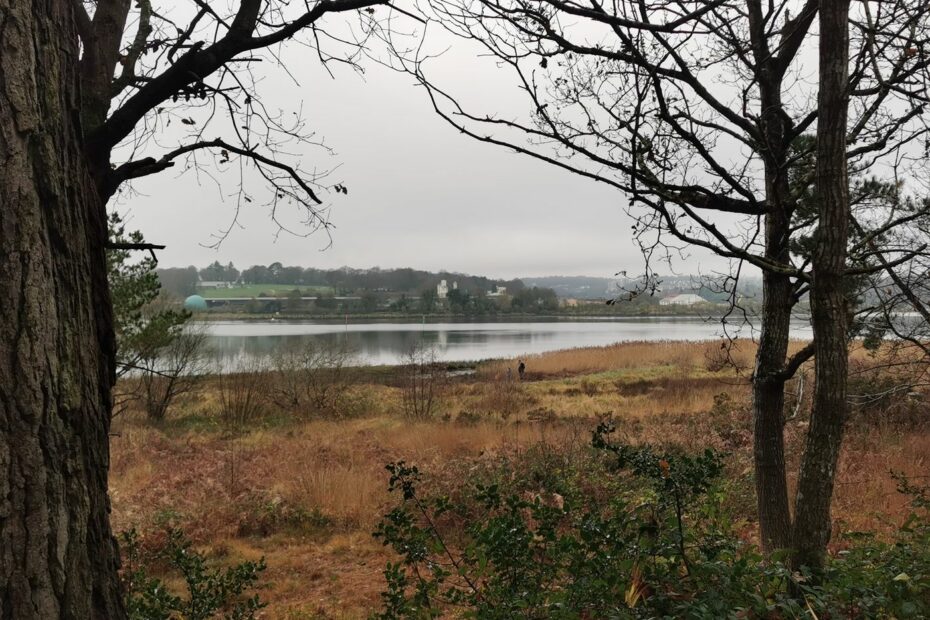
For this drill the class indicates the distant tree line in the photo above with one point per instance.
(183, 281)
(590, 287)
(412, 291)
(407, 283)
(178, 281)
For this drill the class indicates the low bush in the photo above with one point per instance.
(423, 383)
(169, 372)
(211, 593)
(883, 579)
(243, 396)
(662, 544)
(312, 377)
(262, 516)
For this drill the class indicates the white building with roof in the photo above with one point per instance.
(684, 299)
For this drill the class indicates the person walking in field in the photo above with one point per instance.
(521, 368)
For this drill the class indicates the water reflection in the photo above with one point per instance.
(386, 343)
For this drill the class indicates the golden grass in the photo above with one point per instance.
(306, 494)
(678, 355)
(626, 355)
(866, 496)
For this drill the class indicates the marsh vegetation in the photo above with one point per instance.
(304, 486)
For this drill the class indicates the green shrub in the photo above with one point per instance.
(878, 579)
(661, 545)
(212, 593)
(263, 516)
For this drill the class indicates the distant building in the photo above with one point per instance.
(498, 291)
(442, 289)
(685, 299)
(215, 284)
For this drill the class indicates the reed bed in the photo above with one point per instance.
(632, 355)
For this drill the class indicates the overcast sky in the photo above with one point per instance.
(420, 194)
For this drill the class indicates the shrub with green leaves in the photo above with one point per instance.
(883, 579)
(662, 545)
(212, 593)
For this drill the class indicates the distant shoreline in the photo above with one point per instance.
(210, 317)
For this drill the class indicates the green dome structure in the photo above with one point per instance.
(195, 303)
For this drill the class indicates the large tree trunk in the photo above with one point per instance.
(828, 300)
(58, 558)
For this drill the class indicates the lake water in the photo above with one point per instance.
(387, 343)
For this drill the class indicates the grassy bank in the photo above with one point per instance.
(305, 489)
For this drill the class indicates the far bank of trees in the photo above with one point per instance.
(183, 281)
(279, 288)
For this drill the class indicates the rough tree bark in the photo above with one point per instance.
(828, 300)
(58, 558)
(59, 123)
(768, 398)
(768, 387)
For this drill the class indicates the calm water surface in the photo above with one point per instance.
(386, 343)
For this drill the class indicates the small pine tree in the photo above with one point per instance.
(142, 325)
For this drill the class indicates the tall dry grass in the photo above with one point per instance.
(327, 565)
(709, 356)
(626, 355)
(334, 468)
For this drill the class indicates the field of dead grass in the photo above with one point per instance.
(305, 493)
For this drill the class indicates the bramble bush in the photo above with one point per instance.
(663, 544)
